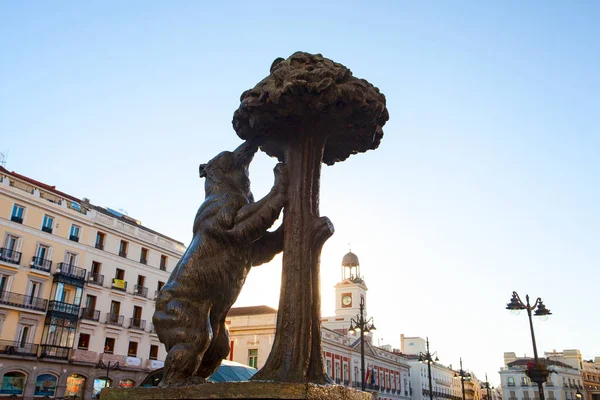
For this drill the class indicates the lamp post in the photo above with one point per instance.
(464, 376)
(363, 327)
(428, 358)
(114, 367)
(537, 373)
(487, 387)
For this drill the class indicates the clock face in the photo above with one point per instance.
(347, 300)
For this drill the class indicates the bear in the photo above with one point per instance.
(230, 235)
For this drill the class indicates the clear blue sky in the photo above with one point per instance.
(486, 181)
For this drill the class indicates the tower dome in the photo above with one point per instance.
(350, 260)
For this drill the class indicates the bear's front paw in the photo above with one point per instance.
(281, 177)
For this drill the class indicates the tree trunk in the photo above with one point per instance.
(297, 354)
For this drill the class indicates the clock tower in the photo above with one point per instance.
(350, 290)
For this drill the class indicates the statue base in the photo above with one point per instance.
(239, 390)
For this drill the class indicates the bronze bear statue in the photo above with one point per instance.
(229, 237)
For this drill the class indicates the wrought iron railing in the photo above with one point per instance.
(140, 291)
(41, 264)
(136, 323)
(18, 348)
(10, 256)
(90, 313)
(114, 319)
(23, 301)
(71, 271)
(96, 278)
(62, 307)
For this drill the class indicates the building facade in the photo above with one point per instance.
(77, 287)
(563, 384)
(591, 378)
(387, 375)
(444, 384)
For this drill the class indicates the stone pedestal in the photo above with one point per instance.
(239, 390)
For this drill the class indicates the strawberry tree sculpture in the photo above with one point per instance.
(309, 110)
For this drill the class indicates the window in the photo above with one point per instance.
(513, 394)
(550, 395)
(24, 336)
(75, 386)
(123, 248)
(163, 263)
(115, 307)
(253, 358)
(45, 385)
(10, 252)
(153, 352)
(100, 240)
(47, 224)
(95, 276)
(159, 286)
(119, 281)
(71, 258)
(328, 367)
(74, 235)
(84, 341)
(526, 394)
(132, 349)
(511, 381)
(144, 256)
(13, 383)
(42, 257)
(109, 345)
(126, 383)
(17, 214)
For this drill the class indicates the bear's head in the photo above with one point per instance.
(228, 171)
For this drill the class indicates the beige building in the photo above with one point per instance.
(591, 378)
(77, 287)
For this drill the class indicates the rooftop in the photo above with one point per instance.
(253, 310)
(81, 205)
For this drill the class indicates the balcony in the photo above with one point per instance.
(22, 301)
(74, 238)
(18, 220)
(71, 271)
(47, 229)
(136, 323)
(71, 310)
(337, 381)
(91, 314)
(100, 246)
(40, 264)
(119, 284)
(18, 348)
(140, 291)
(123, 254)
(96, 279)
(114, 319)
(10, 256)
(143, 261)
(57, 352)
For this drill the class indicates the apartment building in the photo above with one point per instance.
(77, 289)
(564, 383)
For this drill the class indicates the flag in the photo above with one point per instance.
(368, 376)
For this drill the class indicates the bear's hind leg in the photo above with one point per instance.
(217, 351)
(191, 342)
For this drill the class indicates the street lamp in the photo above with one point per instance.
(114, 367)
(486, 385)
(363, 327)
(578, 394)
(537, 373)
(428, 358)
(464, 376)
